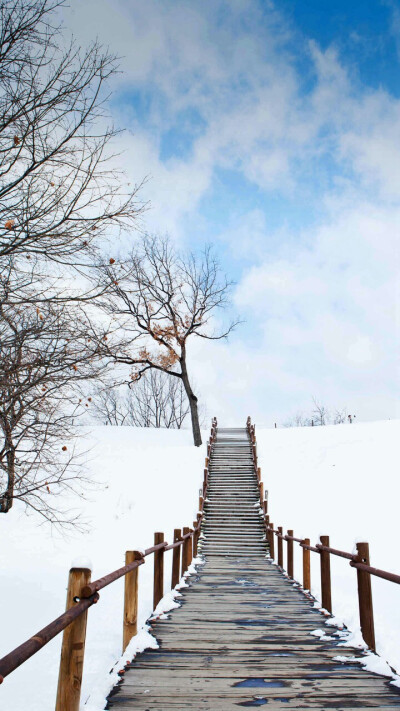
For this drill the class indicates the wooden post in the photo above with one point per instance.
(265, 504)
(259, 473)
(73, 647)
(201, 502)
(280, 547)
(158, 588)
(306, 566)
(261, 493)
(190, 547)
(326, 576)
(272, 541)
(290, 556)
(185, 551)
(130, 599)
(365, 597)
(195, 539)
(176, 558)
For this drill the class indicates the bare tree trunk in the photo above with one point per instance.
(7, 498)
(194, 413)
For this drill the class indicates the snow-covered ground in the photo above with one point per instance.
(341, 480)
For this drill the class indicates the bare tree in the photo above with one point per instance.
(59, 195)
(298, 420)
(161, 299)
(340, 416)
(44, 353)
(58, 190)
(158, 400)
(320, 414)
(109, 407)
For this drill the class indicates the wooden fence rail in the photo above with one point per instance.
(360, 560)
(82, 594)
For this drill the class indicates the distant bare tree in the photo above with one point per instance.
(109, 407)
(156, 400)
(298, 420)
(161, 299)
(340, 416)
(320, 414)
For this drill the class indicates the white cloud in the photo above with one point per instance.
(335, 304)
(321, 302)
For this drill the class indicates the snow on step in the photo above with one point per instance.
(232, 522)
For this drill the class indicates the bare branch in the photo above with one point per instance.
(160, 299)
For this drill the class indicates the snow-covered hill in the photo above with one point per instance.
(341, 480)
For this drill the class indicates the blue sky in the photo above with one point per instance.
(362, 30)
(272, 131)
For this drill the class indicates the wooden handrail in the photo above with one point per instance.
(97, 585)
(88, 596)
(335, 551)
(27, 649)
(155, 548)
(392, 577)
(359, 561)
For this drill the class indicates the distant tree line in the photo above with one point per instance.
(157, 400)
(319, 415)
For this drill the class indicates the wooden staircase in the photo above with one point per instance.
(232, 506)
(244, 635)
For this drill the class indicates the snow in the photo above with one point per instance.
(339, 480)
(370, 662)
(342, 481)
(148, 480)
(82, 562)
(143, 640)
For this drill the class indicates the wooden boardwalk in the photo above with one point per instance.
(242, 636)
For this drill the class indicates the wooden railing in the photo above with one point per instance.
(82, 594)
(360, 560)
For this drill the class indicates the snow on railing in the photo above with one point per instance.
(359, 560)
(82, 594)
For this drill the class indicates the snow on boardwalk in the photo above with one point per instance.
(243, 634)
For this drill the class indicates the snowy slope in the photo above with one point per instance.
(152, 479)
(341, 480)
